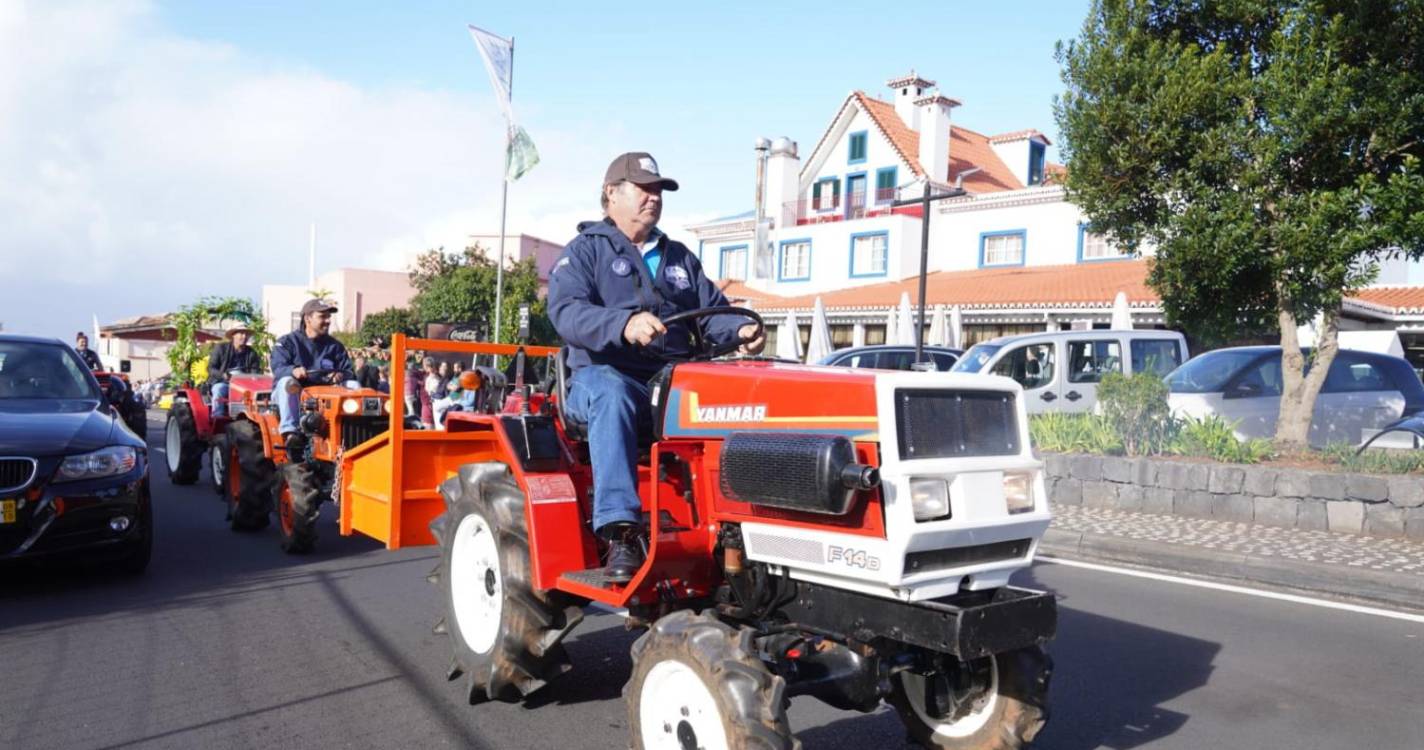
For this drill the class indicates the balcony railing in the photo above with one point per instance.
(849, 207)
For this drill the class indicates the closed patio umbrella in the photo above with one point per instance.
(820, 345)
(788, 338)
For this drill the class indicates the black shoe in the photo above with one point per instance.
(625, 553)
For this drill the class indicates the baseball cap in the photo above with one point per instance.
(639, 168)
(317, 305)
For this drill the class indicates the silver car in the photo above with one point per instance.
(1363, 392)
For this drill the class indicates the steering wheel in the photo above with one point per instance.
(700, 347)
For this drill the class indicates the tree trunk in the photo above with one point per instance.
(1299, 389)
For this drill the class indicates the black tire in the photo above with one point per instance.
(250, 505)
(1017, 710)
(218, 456)
(135, 561)
(183, 467)
(299, 497)
(509, 638)
(743, 701)
(136, 417)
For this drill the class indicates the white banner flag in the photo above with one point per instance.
(498, 54)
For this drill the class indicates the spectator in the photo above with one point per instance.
(383, 379)
(90, 357)
(430, 380)
(366, 373)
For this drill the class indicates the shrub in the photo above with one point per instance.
(1136, 408)
(1074, 433)
(1374, 461)
(1215, 438)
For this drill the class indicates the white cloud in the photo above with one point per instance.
(142, 170)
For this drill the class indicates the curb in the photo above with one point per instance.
(1376, 587)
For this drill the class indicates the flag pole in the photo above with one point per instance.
(503, 206)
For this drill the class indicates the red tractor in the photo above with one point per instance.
(192, 429)
(845, 534)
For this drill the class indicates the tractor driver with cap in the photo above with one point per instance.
(608, 293)
(307, 356)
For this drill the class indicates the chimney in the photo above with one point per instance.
(783, 182)
(907, 89)
(934, 135)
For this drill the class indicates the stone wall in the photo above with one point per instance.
(1390, 506)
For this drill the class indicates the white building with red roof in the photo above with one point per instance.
(1012, 253)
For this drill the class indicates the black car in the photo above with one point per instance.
(891, 357)
(73, 476)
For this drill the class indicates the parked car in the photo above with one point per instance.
(1362, 393)
(1060, 370)
(891, 357)
(73, 477)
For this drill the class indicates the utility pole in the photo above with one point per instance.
(924, 202)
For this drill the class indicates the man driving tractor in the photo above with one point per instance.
(307, 356)
(608, 293)
(233, 355)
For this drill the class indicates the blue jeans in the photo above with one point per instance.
(615, 407)
(219, 391)
(289, 405)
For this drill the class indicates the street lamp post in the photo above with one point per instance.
(924, 202)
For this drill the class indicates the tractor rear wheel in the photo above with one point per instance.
(251, 477)
(181, 445)
(299, 497)
(217, 464)
(507, 637)
(1006, 715)
(697, 683)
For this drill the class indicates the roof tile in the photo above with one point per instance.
(967, 149)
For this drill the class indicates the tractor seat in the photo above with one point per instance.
(573, 427)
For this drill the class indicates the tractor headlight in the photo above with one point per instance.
(106, 462)
(350, 406)
(386, 406)
(1018, 492)
(929, 498)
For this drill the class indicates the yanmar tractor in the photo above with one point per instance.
(844, 534)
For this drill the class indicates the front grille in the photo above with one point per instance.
(357, 430)
(16, 473)
(786, 548)
(943, 423)
(953, 557)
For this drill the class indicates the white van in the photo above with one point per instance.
(1060, 370)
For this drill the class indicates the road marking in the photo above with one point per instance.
(1264, 594)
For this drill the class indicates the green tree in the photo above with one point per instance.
(460, 288)
(1268, 149)
(382, 325)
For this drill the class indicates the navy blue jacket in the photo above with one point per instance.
(600, 281)
(322, 353)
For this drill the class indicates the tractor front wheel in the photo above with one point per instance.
(507, 637)
(1005, 712)
(251, 476)
(181, 445)
(299, 499)
(697, 683)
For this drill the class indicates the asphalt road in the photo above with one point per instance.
(228, 643)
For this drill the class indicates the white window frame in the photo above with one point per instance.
(795, 261)
(873, 248)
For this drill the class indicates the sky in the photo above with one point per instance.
(152, 152)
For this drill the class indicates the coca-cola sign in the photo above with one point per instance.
(455, 331)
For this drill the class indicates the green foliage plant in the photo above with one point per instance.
(1375, 460)
(1074, 433)
(1215, 438)
(1136, 408)
(218, 312)
(1269, 150)
(380, 326)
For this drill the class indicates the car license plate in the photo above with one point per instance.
(7, 511)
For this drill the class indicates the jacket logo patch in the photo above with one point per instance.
(621, 266)
(735, 413)
(678, 277)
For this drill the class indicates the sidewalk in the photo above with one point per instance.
(1388, 572)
